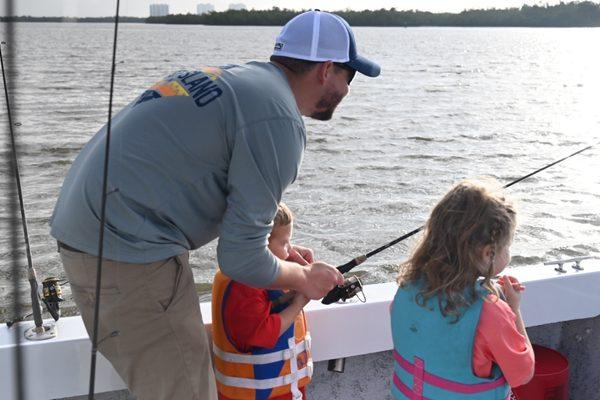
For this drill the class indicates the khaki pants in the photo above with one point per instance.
(150, 326)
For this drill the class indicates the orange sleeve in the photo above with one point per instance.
(248, 320)
(498, 341)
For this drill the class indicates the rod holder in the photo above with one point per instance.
(44, 332)
(336, 365)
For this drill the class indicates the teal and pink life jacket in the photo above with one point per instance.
(433, 357)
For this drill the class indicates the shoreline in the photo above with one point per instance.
(266, 26)
(584, 14)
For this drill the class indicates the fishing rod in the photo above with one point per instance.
(103, 212)
(40, 331)
(353, 286)
(18, 356)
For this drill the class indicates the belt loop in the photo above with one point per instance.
(178, 261)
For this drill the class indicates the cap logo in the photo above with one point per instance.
(278, 46)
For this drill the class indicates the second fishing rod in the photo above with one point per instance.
(353, 285)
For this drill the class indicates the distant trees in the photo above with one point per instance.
(274, 16)
(573, 14)
(27, 18)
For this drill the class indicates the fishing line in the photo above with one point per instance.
(103, 213)
(352, 286)
(13, 166)
(360, 259)
(344, 291)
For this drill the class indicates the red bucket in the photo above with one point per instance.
(551, 377)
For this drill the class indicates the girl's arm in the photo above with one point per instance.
(513, 290)
(521, 327)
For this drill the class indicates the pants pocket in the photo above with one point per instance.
(108, 324)
(165, 281)
(85, 297)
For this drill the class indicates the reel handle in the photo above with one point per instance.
(351, 287)
(339, 292)
(343, 292)
(334, 295)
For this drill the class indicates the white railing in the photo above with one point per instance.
(60, 367)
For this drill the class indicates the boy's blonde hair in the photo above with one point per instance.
(448, 260)
(284, 215)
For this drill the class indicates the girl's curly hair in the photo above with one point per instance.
(448, 260)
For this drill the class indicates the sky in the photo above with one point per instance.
(140, 8)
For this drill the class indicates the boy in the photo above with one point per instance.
(261, 348)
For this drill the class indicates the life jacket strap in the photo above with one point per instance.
(254, 359)
(405, 390)
(418, 375)
(421, 376)
(296, 394)
(263, 384)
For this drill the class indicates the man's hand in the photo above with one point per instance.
(320, 279)
(301, 255)
(313, 280)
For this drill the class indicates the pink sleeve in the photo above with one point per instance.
(498, 341)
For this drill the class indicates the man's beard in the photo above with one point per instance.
(326, 106)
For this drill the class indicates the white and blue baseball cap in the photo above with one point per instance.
(321, 36)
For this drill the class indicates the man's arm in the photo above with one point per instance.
(265, 160)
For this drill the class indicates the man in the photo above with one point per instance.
(200, 155)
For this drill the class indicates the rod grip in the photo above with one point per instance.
(351, 264)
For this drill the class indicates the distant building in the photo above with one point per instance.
(159, 10)
(237, 6)
(204, 8)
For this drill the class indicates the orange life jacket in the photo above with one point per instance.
(260, 373)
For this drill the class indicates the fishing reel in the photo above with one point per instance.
(352, 287)
(52, 296)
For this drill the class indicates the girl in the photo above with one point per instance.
(454, 336)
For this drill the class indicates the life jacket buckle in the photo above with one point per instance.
(310, 368)
(308, 341)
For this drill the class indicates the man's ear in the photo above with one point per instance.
(323, 70)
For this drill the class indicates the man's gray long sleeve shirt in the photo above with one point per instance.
(201, 154)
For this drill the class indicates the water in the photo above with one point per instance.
(451, 103)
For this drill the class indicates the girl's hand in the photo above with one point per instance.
(518, 286)
(512, 290)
